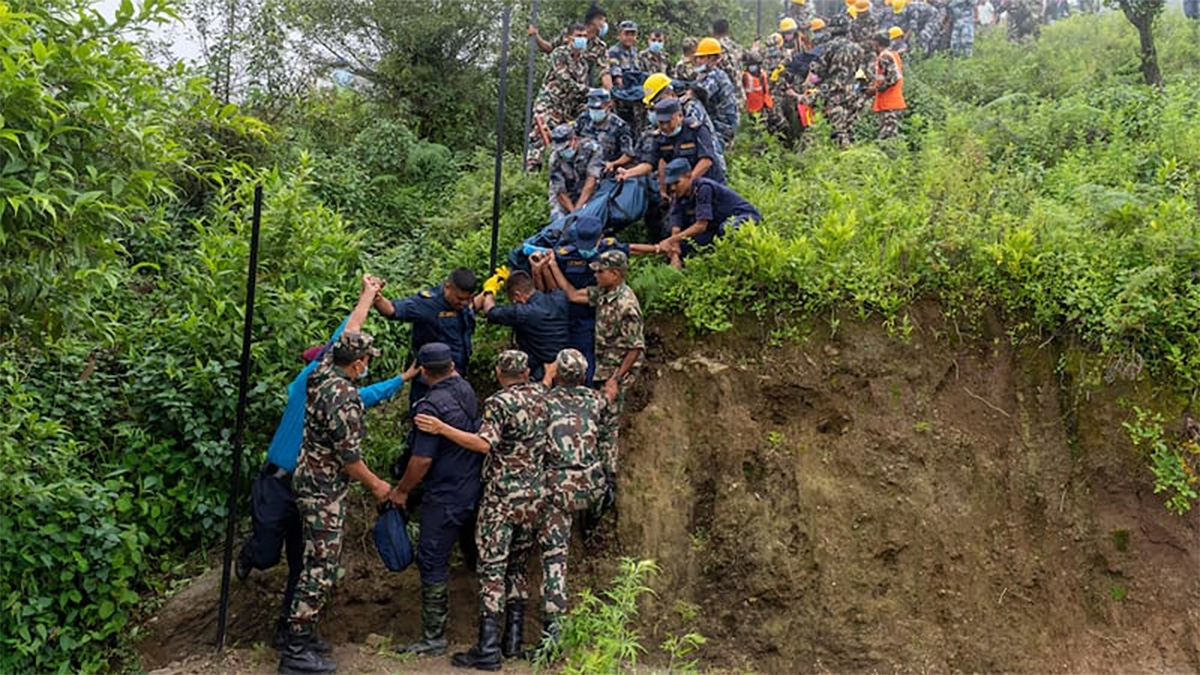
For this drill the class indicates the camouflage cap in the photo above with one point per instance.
(612, 259)
(689, 43)
(354, 346)
(512, 362)
(572, 365)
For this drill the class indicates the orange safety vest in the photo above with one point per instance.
(758, 92)
(891, 98)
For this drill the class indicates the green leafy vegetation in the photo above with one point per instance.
(1047, 183)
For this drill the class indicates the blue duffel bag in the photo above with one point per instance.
(391, 538)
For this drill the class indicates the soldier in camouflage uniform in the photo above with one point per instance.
(624, 56)
(685, 69)
(836, 68)
(732, 58)
(719, 92)
(562, 95)
(655, 58)
(888, 86)
(611, 133)
(801, 12)
(513, 435)
(1021, 19)
(575, 170)
(329, 456)
(578, 475)
(962, 30)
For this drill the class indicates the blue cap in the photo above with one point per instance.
(676, 169)
(666, 108)
(598, 97)
(434, 354)
(562, 134)
(588, 230)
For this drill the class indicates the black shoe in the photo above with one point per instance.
(486, 654)
(242, 568)
(514, 628)
(435, 609)
(300, 657)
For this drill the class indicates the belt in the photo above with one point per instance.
(275, 471)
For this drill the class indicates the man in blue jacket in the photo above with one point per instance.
(273, 507)
(702, 210)
(539, 319)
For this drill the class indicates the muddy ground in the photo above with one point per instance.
(855, 501)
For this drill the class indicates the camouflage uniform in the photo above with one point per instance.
(570, 175)
(333, 431)
(685, 70)
(836, 68)
(732, 62)
(622, 60)
(514, 425)
(802, 14)
(613, 136)
(722, 104)
(694, 111)
(656, 62)
(579, 462)
(1021, 18)
(962, 32)
(562, 97)
(619, 328)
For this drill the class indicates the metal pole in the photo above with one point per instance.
(758, 26)
(529, 75)
(235, 477)
(500, 132)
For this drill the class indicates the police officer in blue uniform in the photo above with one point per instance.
(450, 476)
(574, 259)
(675, 138)
(702, 211)
(439, 314)
(538, 318)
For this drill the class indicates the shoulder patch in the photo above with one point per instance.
(562, 250)
(426, 294)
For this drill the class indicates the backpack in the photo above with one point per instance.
(391, 538)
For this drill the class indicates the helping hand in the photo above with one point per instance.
(411, 373)
(493, 285)
(381, 490)
(611, 389)
(429, 424)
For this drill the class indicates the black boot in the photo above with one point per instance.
(300, 657)
(280, 641)
(435, 608)
(514, 629)
(486, 654)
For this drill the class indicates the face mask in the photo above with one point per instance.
(579, 43)
(604, 29)
(567, 153)
(656, 46)
(589, 253)
(675, 132)
(597, 115)
(650, 116)
(363, 374)
(701, 67)
(753, 69)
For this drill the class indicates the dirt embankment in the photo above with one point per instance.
(853, 502)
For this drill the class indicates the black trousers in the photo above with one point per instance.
(276, 527)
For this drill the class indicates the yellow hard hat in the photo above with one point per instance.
(817, 24)
(898, 6)
(895, 32)
(776, 39)
(787, 24)
(708, 47)
(863, 6)
(887, 3)
(654, 84)
(799, 2)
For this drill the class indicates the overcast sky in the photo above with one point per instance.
(179, 35)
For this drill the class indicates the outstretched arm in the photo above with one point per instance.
(575, 295)
(463, 439)
(370, 291)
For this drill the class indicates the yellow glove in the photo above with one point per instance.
(502, 274)
(492, 285)
(860, 75)
(777, 72)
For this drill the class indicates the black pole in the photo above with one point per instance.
(529, 74)
(758, 26)
(500, 132)
(235, 477)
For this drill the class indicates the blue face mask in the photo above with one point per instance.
(604, 29)
(650, 116)
(597, 115)
(567, 153)
(675, 132)
(363, 374)
(702, 67)
(588, 253)
(579, 43)
(656, 46)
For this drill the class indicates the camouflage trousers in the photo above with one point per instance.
(553, 115)
(962, 38)
(567, 492)
(839, 110)
(889, 123)
(323, 522)
(504, 535)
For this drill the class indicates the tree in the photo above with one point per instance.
(1142, 14)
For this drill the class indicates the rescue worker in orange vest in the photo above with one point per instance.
(754, 83)
(888, 86)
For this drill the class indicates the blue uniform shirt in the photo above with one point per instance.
(540, 325)
(434, 320)
(285, 444)
(711, 201)
(454, 476)
(575, 267)
(693, 143)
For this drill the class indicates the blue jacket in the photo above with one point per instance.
(285, 444)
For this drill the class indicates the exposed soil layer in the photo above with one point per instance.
(857, 502)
